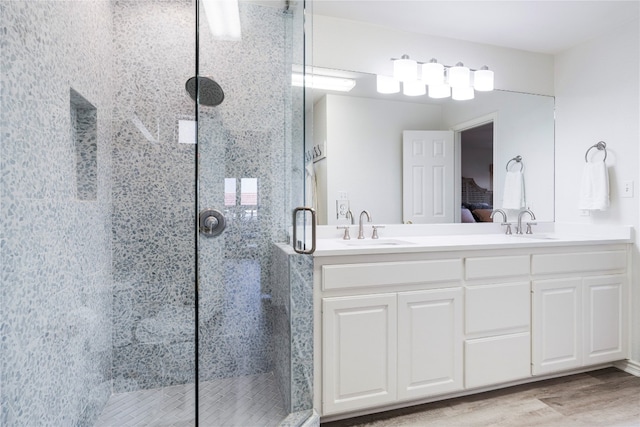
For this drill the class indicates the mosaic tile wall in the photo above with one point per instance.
(55, 249)
(293, 326)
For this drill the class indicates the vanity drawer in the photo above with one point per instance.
(390, 273)
(500, 307)
(490, 267)
(497, 360)
(578, 262)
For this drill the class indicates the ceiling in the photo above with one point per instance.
(544, 26)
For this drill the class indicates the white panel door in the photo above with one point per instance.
(557, 325)
(427, 177)
(359, 351)
(604, 328)
(429, 342)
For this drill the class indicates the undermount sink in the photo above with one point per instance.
(375, 242)
(536, 236)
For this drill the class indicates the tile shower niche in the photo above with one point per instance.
(84, 134)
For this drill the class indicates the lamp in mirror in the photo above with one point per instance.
(459, 76)
(414, 88)
(387, 84)
(483, 79)
(433, 72)
(442, 81)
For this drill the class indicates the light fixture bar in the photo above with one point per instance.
(315, 81)
(442, 80)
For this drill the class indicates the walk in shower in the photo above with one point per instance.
(121, 121)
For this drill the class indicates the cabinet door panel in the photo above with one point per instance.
(429, 342)
(557, 325)
(359, 352)
(603, 314)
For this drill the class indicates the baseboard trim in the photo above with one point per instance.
(629, 366)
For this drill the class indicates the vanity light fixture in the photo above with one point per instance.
(224, 19)
(317, 81)
(405, 69)
(387, 84)
(443, 81)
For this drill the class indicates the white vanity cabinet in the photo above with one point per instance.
(580, 314)
(395, 329)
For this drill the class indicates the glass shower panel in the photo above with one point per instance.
(98, 293)
(245, 152)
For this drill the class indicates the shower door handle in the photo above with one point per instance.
(299, 246)
(211, 222)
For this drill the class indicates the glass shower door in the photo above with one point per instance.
(245, 189)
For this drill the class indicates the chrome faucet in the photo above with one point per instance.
(529, 224)
(504, 219)
(360, 230)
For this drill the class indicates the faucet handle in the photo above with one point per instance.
(529, 224)
(375, 231)
(346, 236)
(508, 230)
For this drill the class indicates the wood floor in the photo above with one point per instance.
(607, 397)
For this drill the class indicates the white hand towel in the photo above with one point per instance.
(594, 188)
(513, 197)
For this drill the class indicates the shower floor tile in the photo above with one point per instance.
(252, 401)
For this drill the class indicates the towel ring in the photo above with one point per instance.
(601, 145)
(517, 159)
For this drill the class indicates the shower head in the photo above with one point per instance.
(211, 93)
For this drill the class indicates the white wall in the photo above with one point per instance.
(356, 46)
(597, 98)
(364, 153)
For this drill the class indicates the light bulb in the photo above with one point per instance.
(433, 73)
(483, 79)
(414, 88)
(462, 93)
(459, 76)
(439, 91)
(387, 84)
(405, 69)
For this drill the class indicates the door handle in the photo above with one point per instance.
(299, 247)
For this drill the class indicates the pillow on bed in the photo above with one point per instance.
(467, 216)
(483, 215)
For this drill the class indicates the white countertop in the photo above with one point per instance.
(453, 237)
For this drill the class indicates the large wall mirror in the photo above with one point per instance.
(360, 138)
(359, 161)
